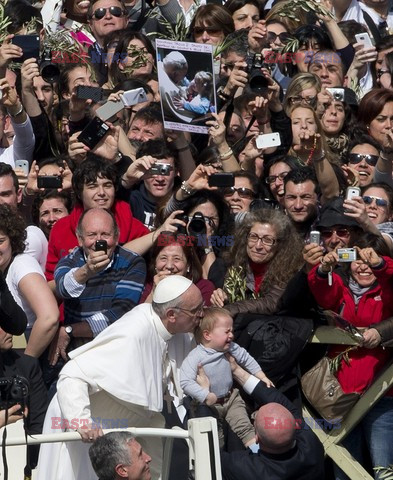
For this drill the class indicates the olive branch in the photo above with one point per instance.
(335, 363)
(235, 284)
(385, 473)
(289, 9)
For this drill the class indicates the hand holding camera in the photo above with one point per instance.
(29, 71)
(369, 257)
(328, 262)
(237, 79)
(199, 179)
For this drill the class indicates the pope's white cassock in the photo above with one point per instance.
(118, 375)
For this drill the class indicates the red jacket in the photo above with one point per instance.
(373, 307)
(63, 237)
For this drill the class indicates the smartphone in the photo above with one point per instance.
(364, 39)
(102, 245)
(315, 237)
(30, 44)
(23, 165)
(109, 109)
(49, 181)
(222, 180)
(337, 94)
(85, 92)
(132, 97)
(268, 140)
(352, 192)
(93, 132)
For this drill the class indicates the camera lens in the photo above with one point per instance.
(197, 226)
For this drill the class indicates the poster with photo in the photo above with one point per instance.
(186, 82)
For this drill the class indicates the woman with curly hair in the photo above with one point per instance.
(266, 253)
(26, 282)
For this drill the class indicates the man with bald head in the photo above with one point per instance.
(119, 378)
(99, 281)
(288, 449)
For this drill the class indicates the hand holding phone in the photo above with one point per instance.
(94, 132)
(101, 246)
(23, 165)
(364, 39)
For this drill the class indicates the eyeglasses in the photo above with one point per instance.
(380, 202)
(253, 239)
(358, 157)
(209, 30)
(274, 178)
(114, 11)
(242, 192)
(297, 99)
(272, 37)
(193, 311)
(340, 232)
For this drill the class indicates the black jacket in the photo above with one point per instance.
(304, 462)
(12, 318)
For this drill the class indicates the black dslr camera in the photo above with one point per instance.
(13, 390)
(49, 71)
(197, 225)
(256, 79)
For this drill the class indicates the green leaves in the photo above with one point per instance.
(235, 285)
(336, 362)
(177, 33)
(289, 9)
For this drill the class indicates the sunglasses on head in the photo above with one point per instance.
(380, 202)
(101, 12)
(272, 37)
(210, 30)
(242, 192)
(358, 157)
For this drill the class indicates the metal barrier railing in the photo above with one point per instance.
(331, 440)
(201, 436)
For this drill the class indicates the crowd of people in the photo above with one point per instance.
(118, 245)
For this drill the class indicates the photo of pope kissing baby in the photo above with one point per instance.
(186, 81)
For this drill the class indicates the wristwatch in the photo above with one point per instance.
(208, 250)
(69, 330)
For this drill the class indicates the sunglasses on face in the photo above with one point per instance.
(358, 157)
(101, 12)
(380, 202)
(340, 232)
(272, 37)
(242, 192)
(209, 30)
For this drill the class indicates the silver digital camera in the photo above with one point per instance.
(161, 169)
(346, 254)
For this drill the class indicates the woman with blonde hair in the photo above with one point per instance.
(303, 89)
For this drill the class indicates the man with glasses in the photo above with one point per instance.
(122, 375)
(337, 229)
(104, 16)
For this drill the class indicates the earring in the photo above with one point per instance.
(188, 269)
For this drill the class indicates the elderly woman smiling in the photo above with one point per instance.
(266, 254)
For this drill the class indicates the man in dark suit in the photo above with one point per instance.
(288, 449)
(13, 363)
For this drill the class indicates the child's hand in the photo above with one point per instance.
(268, 382)
(261, 375)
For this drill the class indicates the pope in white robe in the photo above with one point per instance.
(117, 380)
